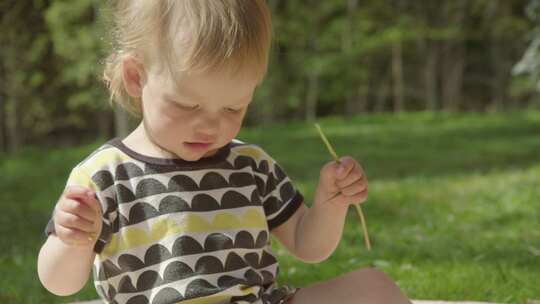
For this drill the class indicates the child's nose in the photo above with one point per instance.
(208, 127)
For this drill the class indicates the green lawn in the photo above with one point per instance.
(453, 212)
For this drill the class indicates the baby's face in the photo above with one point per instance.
(200, 114)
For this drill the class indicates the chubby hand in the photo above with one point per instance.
(77, 217)
(342, 183)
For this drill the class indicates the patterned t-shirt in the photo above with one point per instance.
(177, 231)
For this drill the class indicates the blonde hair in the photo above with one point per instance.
(187, 35)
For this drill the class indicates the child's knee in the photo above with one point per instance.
(372, 275)
(382, 289)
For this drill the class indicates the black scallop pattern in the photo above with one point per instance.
(123, 194)
(127, 171)
(182, 183)
(286, 192)
(103, 179)
(172, 204)
(177, 271)
(196, 288)
(143, 211)
(140, 299)
(199, 287)
(206, 265)
(166, 296)
(268, 175)
(186, 245)
(149, 187)
(213, 180)
(217, 241)
(271, 205)
(155, 254)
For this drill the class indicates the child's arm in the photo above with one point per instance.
(64, 269)
(313, 234)
(65, 260)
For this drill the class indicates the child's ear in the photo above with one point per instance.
(133, 76)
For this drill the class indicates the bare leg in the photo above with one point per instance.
(364, 286)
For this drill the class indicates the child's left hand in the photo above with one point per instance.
(342, 184)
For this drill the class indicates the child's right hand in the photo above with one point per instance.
(77, 217)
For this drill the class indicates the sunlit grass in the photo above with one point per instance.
(453, 211)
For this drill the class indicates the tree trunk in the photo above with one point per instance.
(312, 96)
(454, 57)
(312, 93)
(452, 87)
(363, 99)
(397, 77)
(430, 76)
(356, 100)
(14, 132)
(3, 135)
(382, 93)
(500, 66)
(14, 93)
(498, 83)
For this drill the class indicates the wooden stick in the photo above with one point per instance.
(358, 208)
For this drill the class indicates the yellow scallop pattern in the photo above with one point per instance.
(132, 237)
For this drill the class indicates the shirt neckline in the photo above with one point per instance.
(220, 155)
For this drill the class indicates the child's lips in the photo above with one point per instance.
(197, 146)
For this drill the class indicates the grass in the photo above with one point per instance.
(453, 211)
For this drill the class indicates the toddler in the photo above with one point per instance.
(179, 211)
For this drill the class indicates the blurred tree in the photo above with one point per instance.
(329, 57)
(530, 63)
(500, 23)
(23, 73)
(78, 33)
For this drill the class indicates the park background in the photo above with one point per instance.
(439, 101)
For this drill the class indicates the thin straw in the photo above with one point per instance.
(358, 208)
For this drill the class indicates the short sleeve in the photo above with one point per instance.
(280, 198)
(79, 177)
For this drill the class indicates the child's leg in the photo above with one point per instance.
(364, 286)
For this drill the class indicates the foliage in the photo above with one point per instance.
(329, 57)
(530, 63)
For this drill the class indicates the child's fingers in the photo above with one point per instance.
(346, 165)
(75, 192)
(355, 188)
(79, 208)
(92, 202)
(74, 237)
(342, 199)
(360, 197)
(336, 176)
(328, 177)
(73, 221)
(83, 195)
(354, 176)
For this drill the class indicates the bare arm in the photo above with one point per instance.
(65, 260)
(64, 269)
(312, 234)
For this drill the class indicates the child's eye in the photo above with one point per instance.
(188, 108)
(185, 107)
(231, 110)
